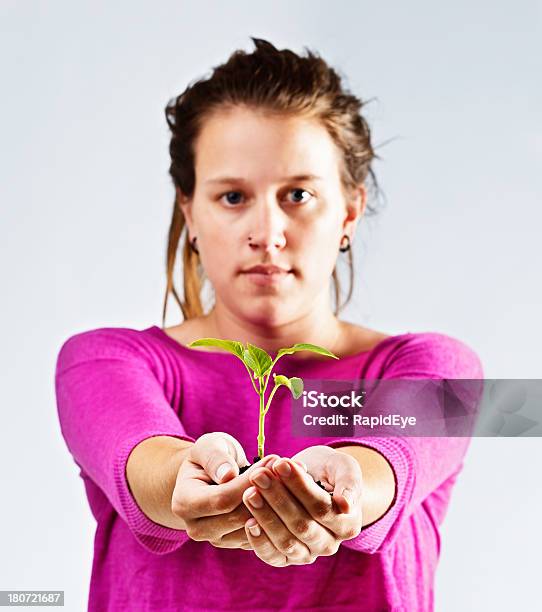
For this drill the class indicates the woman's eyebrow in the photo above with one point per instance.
(232, 179)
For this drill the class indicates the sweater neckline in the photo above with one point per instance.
(307, 361)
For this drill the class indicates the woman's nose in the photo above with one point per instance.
(267, 228)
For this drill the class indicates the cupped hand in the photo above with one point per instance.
(214, 513)
(294, 520)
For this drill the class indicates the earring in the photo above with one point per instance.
(345, 247)
(193, 245)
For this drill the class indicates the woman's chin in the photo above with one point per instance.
(266, 313)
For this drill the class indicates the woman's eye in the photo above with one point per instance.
(229, 193)
(233, 197)
(298, 191)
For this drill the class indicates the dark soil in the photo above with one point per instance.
(246, 467)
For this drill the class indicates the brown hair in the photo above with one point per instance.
(279, 82)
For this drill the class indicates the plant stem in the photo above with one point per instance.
(261, 436)
(266, 378)
(263, 380)
(251, 378)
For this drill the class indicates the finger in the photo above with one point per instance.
(235, 539)
(302, 464)
(199, 499)
(317, 502)
(292, 513)
(220, 455)
(191, 468)
(262, 545)
(215, 527)
(267, 461)
(276, 531)
(346, 478)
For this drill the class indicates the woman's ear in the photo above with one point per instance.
(185, 205)
(355, 208)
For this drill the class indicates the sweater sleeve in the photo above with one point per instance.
(420, 464)
(109, 400)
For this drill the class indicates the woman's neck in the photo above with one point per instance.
(324, 330)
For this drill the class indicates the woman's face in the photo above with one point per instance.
(276, 181)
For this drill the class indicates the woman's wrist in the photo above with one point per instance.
(151, 473)
(378, 484)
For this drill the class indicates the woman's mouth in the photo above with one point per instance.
(268, 278)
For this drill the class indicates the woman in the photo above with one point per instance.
(270, 160)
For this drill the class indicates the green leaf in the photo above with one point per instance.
(251, 362)
(232, 346)
(257, 359)
(314, 348)
(295, 384)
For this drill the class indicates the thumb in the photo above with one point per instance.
(220, 455)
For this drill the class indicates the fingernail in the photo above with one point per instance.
(283, 469)
(253, 528)
(222, 470)
(271, 461)
(256, 501)
(262, 480)
(303, 465)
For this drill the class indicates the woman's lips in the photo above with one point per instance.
(261, 279)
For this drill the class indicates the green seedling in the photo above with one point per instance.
(259, 365)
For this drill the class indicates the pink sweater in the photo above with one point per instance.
(117, 386)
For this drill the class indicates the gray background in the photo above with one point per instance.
(86, 201)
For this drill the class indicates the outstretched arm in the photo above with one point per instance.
(151, 471)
